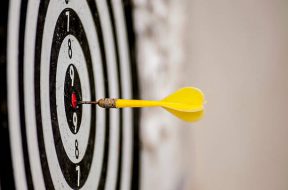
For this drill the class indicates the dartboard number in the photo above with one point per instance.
(78, 174)
(75, 121)
(69, 49)
(76, 149)
(71, 72)
(68, 19)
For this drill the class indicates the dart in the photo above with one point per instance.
(186, 103)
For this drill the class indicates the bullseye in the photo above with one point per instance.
(74, 100)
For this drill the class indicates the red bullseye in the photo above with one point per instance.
(74, 100)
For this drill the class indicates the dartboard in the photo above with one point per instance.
(56, 52)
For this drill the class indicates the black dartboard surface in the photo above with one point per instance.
(53, 52)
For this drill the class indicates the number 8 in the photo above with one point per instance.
(69, 48)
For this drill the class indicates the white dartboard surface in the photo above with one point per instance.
(57, 50)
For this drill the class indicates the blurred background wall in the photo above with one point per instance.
(236, 51)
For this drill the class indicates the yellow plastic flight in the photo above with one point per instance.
(186, 103)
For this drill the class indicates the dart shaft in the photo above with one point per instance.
(122, 103)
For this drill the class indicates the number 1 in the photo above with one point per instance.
(78, 179)
(68, 19)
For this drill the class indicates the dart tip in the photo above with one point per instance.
(87, 102)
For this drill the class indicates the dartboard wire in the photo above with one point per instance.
(97, 22)
(23, 13)
(112, 20)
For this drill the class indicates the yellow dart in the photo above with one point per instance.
(186, 103)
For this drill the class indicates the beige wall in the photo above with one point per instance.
(236, 51)
(238, 55)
